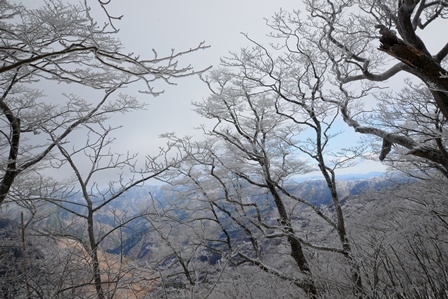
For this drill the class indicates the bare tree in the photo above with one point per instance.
(361, 42)
(266, 121)
(61, 43)
(86, 200)
(67, 245)
(184, 265)
(400, 237)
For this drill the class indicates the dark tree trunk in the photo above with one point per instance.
(296, 248)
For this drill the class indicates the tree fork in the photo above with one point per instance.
(427, 68)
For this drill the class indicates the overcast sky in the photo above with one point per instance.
(182, 24)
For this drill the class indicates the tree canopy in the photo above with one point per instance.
(61, 42)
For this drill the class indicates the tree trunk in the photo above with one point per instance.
(296, 248)
(94, 257)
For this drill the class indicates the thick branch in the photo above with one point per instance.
(415, 149)
(11, 167)
(73, 48)
(421, 63)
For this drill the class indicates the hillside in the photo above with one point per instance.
(144, 242)
(54, 264)
(141, 244)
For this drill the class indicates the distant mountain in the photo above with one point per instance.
(140, 245)
(344, 177)
(136, 241)
(357, 176)
(139, 242)
(316, 191)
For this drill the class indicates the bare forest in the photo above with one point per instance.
(253, 205)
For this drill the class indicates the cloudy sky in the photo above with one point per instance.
(180, 25)
(183, 24)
